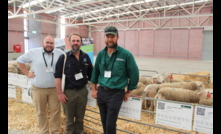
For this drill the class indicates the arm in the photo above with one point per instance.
(25, 70)
(133, 75)
(94, 91)
(94, 77)
(26, 58)
(90, 68)
(61, 96)
(58, 76)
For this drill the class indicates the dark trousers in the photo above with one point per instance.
(75, 109)
(109, 103)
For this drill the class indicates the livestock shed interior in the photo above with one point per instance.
(174, 36)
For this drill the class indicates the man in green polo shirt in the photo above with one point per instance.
(114, 69)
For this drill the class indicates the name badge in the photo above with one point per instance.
(49, 69)
(107, 74)
(78, 76)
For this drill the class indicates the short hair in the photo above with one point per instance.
(49, 35)
(76, 35)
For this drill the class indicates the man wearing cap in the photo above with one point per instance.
(114, 69)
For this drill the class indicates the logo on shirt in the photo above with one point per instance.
(119, 59)
(85, 60)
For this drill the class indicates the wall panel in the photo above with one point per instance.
(146, 42)
(162, 43)
(131, 43)
(195, 44)
(179, 43)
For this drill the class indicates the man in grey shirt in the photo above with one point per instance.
(41, 76)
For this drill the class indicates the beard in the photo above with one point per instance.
(114, 45)
(75, 49)
(48, 51)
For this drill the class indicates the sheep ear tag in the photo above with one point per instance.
(208, 95)
(171, 77)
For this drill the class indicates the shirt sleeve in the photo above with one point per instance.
(25, 58)
(96, 71)
(90, 68)
(133, 72)
(59, 67)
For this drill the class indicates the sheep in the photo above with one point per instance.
(206, 97)
(151, 90)
(193, 85)
(139, 90)
(168, 78)
(178, 94)
(155, 79)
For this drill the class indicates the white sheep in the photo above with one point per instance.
(193, 85)
(155, 79)
(168, 78)
(139, 90)
(151, 90)
(177, 94)
(206, 97)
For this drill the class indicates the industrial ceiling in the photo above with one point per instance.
(90, 12)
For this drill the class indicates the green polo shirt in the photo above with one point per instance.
(123, 67)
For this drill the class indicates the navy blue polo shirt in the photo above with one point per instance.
(74, 66)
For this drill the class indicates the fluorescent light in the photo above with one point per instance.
(31, 3)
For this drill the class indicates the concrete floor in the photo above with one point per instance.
(173, 66)
(162, 66)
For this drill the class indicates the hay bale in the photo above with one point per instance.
(18, 93)
(202, 76)
(178, 76)
(14, 68)
(23, 117)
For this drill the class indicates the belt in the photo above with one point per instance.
(44, 88)
(75, 88)
(106, 88)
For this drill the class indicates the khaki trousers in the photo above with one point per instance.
(75, 109)
(42, 99)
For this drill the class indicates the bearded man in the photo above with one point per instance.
(42, 61)
(77, 70)
(115, 68)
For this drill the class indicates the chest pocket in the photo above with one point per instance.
(119, 68)
(84, 67)
(70, 68)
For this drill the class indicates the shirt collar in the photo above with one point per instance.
(117, 48)
(81, 53)
(43, 51)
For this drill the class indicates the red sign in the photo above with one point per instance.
(17, 48)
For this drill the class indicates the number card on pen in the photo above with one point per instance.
(174, 115)
(203, 120)
(131, 108)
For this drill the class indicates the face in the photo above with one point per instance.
(75, 43)
(111, 40)
(48, 44)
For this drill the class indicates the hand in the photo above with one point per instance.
(126, 96)
(62, 98)
(94, 93)
(31, 75)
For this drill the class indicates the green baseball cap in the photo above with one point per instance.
(111, 30)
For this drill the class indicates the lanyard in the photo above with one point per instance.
(51, 60)
(115, 56)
